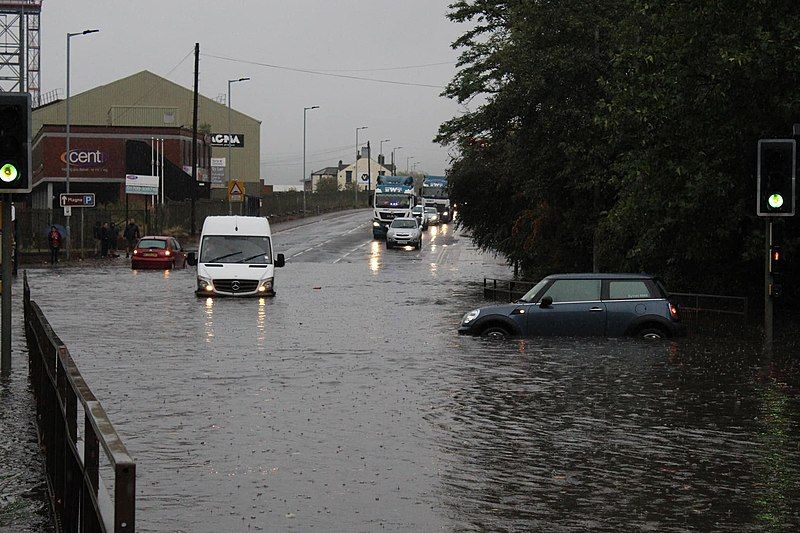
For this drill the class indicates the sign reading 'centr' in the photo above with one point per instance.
(88, 158)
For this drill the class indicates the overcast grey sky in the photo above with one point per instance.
(354, 37)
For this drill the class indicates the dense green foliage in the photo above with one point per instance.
(622, 132)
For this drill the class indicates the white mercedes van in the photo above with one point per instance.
(235, 257)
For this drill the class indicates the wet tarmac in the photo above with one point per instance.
(349, 403)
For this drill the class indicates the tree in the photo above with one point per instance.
(621, 133)
(328, 184)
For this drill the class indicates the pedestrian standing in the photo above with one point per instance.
(104, 231)
(96, 231)
(54, 239)
(113, 237)
(131, 235)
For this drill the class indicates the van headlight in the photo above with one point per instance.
(204, 284)
(266, 285)
(376, 224)
(472, 315)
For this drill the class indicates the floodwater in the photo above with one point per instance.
(349, 403)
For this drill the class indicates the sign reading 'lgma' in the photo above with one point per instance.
(222, 139)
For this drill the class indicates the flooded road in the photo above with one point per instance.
(349, 403)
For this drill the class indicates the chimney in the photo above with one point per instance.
(341, 165)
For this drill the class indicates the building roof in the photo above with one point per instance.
(327, 171)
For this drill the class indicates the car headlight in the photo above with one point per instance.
(376, 224)
(265, 285)
(204, 284)
(446, 213)
(472, 315)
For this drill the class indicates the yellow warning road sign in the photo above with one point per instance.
(235, 191)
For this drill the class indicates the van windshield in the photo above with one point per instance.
(251, 250)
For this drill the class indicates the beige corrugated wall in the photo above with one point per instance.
(148, 97)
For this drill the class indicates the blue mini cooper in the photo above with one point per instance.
(610, 305)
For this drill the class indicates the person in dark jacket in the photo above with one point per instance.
(113, 237)
(131, 235)
(96, 233)
(104, 231)
(54, 239)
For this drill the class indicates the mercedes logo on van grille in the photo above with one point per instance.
(235, 285)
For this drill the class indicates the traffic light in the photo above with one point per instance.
(776, 177)
(15, 141)
(775, 259)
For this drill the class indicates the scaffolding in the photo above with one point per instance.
(20, 44)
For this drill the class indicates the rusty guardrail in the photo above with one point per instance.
(80, 499)
(506, 289)
(697, 310)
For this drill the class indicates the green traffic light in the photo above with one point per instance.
(775, 201)
(8, 173)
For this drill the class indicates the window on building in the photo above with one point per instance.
(348, 176)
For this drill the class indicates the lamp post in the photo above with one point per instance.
(305, 111)
(409, 158)
(355, 171)
(394, 169)
(229, 162)
(69, 37)
(380, 152)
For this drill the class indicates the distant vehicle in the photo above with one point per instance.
(394, 197)
(236, 258)
(404, 231)
(610, 305)
(434, 194)
(418, 212)
(159, 252)
(432, 216)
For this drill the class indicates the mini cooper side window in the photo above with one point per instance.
(574, 290)
(627, 290)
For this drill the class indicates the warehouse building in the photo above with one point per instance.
(111, 128)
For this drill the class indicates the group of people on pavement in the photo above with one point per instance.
(106, 236)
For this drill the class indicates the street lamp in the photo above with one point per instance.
(380, 152)
(229, 162)
(70, 36)
(394, 169)
(305, 110)
(409, 158)
(355, 171)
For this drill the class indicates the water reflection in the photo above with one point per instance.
(375, 256)
(167, 273)
(209, 319)
(261, 317)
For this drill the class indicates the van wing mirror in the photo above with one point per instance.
(546, 302)
(191, 258)
(280, 261)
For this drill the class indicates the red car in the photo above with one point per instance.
(158, 252)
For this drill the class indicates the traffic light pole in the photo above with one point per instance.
(768, 281)
(5, 341)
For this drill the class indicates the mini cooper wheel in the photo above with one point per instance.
(495, 333)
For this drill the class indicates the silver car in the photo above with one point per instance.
(404, 231)
(432, 215)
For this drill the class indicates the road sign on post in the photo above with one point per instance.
(76, 199)
(776, 177)
(236, 191)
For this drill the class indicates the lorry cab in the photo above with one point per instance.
(236, 258)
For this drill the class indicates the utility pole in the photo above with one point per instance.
(369, 167)
(768, 317)
(5, 362)
(305, 111)
(193, 188)
(355, 171)
(394, 169)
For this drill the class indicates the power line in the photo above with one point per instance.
(156, 84)
(408, 67)
(322, 73)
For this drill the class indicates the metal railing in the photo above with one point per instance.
(696, 306)
(508, 290)
(697, 310)
(80, 499)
